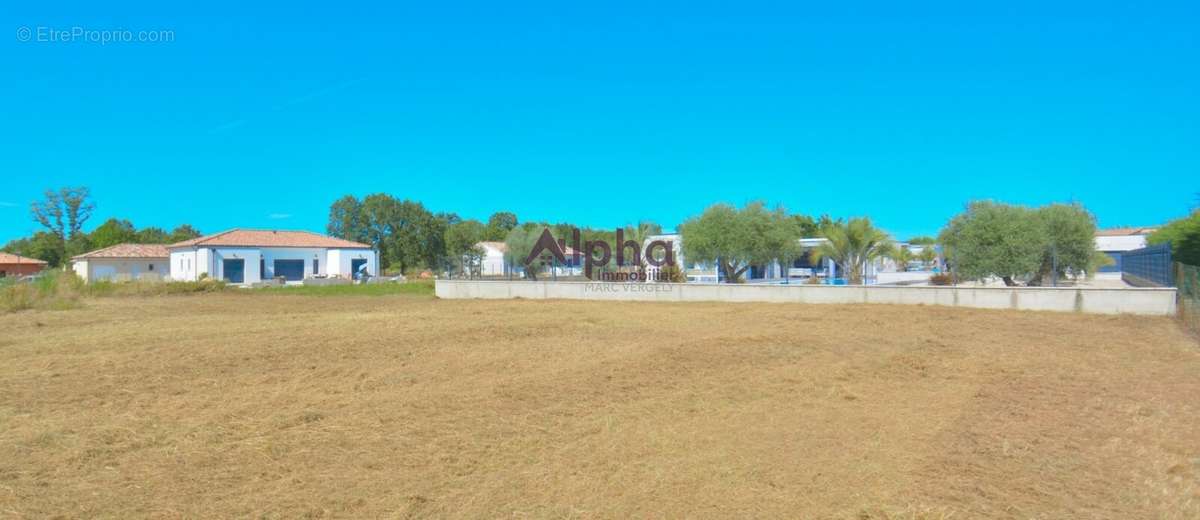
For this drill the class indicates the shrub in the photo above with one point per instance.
(941, 279)
(672, 274)
(17, 297)
(54, 290)
(106, 288)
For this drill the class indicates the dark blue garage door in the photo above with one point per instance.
(355, 265)
(234, 270)
(291, 270)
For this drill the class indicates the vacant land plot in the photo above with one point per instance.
(272, 405)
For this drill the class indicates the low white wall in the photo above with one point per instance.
(1155, 301)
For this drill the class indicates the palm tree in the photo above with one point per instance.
(852, 245)
(902, 256)
(640, 234)
(927, 255)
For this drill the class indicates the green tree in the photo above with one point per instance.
(1184, 236)
(43, 245)
(152, 235)
(991, 239)
(183, 232)
(462, 244)
(809, 227)
(853, 245)
(346, 220)
(1069, 235)
(922, 240)
(403, 231)
(928, 255)
(902, 256)
(639, 233)
(63, 213)
(518, 244)
(499, 224)
(737, 238)
(112, 232)
(405, 234)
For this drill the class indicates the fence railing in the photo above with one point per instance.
(1148, 267)
(1187, 280)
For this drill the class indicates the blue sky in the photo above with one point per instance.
(602, 113)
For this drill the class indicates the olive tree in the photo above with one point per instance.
(736, 238)
(990, 239)
(1069, 234)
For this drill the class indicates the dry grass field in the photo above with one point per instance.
(285, 406)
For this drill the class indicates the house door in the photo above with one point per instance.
(235, 270)
(290, 270)
(355, 265)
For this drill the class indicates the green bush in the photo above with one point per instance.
(941, 279)
(54, 290)
(1184, 236)
(107, 288)
(64, 290)
(17, 297)
(673, 274)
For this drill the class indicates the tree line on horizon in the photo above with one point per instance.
(62, 213)
(1017, 244)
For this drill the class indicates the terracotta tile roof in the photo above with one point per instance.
(269, 238)
(128, 251)
(1124, 231)
(8, 258)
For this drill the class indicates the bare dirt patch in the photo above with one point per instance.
(286, 406)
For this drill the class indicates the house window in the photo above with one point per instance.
(262, 267)
(150, 267)
(316, 266)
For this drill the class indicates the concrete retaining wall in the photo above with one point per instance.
(1156, 301)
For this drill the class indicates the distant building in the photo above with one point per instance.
(123, 262)
(17, 265)
(1115, 241)
(493, 262)
(247, 256)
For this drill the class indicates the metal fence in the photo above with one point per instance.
(1148, 267)
(1187, 278)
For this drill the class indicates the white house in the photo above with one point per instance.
(492, 263)
(123, 262)
(246, 256)
(1115, 241)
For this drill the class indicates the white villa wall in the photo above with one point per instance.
(492, 263)
(190, 264)
(1120, 242)
(183, 265)
(342, 258)
(81, 269)
(94, 269)
(1148, 301)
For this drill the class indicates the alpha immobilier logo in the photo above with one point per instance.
(598, 253)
